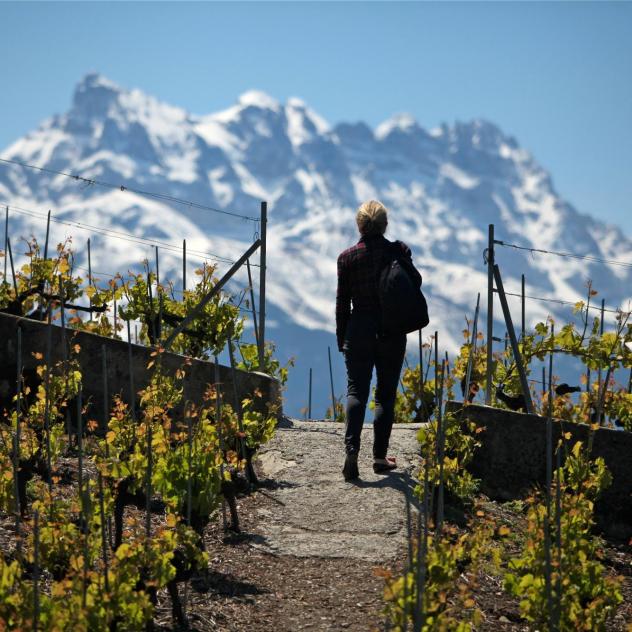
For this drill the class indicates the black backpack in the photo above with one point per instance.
(403, 305)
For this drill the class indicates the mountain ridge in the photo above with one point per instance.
(443, 187)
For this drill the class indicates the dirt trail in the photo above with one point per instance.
(310, 542)
(317, 513)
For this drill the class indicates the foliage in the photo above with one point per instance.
(271, 366)
(607, 352)
(40, 280)
(583, 597)
(412, 403)
(258, 426)
(459, 445)
(445, 568)
(206, 335)
(478, 370)
(41, 283)
(198, 462)
(341, 412)
(189, 450)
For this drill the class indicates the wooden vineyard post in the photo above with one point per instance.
(331, 382)
(90, 275)
(157, 268)
(47, 235)
(80, 450)
(104, 548)
(6, 239)
(152, 321)
(522, 308)
(218, 422)
(41, 298)
(422, 548)
(132, 393)
(49, 345)
(262, 284)
(159, 296)
(422, 379)
(16, 447)
(599, 372)
(237, 401)
(106, 397)
(148, 491)
(514, 343)
(558, 539)
(64, 349)
(440, 453)
(490, 313)
(470, 359)
(252, 304)
(184, 266)
(309, 395)
(36, 571)
(15, 283)
(187, 416)
(549, 477)
(409, 567)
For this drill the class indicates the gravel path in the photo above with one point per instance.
(316, 513)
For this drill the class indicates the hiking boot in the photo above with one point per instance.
(350, 470)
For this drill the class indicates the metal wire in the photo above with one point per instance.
(145, 241)
(122, 187)
(569, 255)
(561, 302)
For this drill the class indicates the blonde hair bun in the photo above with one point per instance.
(372, 218)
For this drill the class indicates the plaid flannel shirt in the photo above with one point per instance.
(357, 280)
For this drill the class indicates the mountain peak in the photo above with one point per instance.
(93, 96)
(259, 99)
(303, 123)
(94, 80)
(483, 133)
(402, 122)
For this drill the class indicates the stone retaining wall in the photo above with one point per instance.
(199, 374)
(512, 460)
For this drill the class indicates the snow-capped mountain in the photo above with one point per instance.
(443, 187)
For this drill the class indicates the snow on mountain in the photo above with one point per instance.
(443, 187)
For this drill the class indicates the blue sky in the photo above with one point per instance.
(557, 75)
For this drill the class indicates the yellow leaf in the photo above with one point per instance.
(171, 520)
(504, 531)
(469, 603)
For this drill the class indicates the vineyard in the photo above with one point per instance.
(107, 507)
(543, 550)
(111, 474)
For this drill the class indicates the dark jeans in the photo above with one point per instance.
(363, 350)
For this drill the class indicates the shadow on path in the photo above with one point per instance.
(399, 481)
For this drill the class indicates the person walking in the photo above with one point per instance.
(361, 338)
